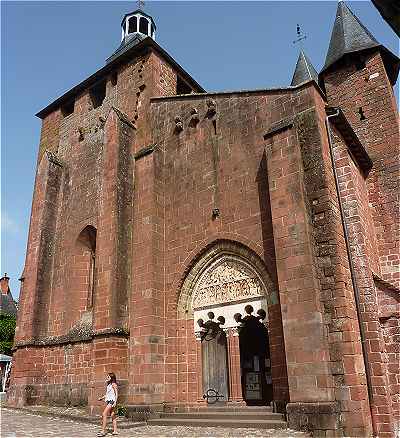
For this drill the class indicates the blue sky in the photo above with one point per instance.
(48, 47)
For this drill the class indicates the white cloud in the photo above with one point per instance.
(8, 224)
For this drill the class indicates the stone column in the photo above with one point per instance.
(235, 378)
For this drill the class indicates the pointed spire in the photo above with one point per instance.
(348, 35)
(304, 70)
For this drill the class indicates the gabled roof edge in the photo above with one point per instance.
(147, 43)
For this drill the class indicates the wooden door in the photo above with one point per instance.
(215, 367)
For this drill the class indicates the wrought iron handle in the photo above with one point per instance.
(212, 396)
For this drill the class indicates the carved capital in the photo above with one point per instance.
(199, 334)
(236, 330)
(227, 331)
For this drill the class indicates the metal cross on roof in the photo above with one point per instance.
(300, 35)
(140, 4)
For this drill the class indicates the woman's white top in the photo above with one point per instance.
(110, 393)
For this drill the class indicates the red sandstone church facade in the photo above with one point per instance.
(239, 246)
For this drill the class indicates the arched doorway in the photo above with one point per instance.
(224, 287)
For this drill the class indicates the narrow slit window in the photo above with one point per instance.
(114, 79)
(361, 113)
(359, 63)
(132, 25)
(98, 94)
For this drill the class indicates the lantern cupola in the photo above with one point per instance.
(136, 26)
(138, 22)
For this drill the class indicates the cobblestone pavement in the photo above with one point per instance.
(16, 423)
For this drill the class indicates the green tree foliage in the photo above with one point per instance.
(7, 331)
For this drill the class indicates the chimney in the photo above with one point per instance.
(4, 286)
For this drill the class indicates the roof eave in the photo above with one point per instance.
(135, 12)
(147, 43)
(353, 143)
(391, 61)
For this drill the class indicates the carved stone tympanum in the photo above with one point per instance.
(228, 281)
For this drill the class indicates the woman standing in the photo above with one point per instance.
(110, 398)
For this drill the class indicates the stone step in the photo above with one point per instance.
(125, 424)
(227, 415)
(228, 408)
(258, 424)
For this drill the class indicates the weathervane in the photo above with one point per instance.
(300, 35)
(140, 4)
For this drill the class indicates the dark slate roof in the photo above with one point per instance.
(349, 35)
(128, 42)
(7, 304)
(390, 11)
(304, 71)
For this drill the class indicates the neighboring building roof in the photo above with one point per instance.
(7, 304)
(124, 56)
(349, 35)
(5, 358)
(390, 11)
(304, 71)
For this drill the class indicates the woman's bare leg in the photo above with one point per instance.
(114, 420)
(106, 413)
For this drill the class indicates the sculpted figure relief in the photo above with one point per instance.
(226, 282)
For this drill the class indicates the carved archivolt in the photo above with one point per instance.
(227, 280)
(227, 272)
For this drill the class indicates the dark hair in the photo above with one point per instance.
(113, 378)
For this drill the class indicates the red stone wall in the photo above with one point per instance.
(49, 136)
(217, 161)
(164, 180)
(317, 299)
(389, 317)
(351, 89)
(371, 209)
(361, 235)
(60, 374)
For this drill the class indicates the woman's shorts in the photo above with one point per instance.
(110, 402)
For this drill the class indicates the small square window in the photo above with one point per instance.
(182, 87)
(68, 108)
(359, 63)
